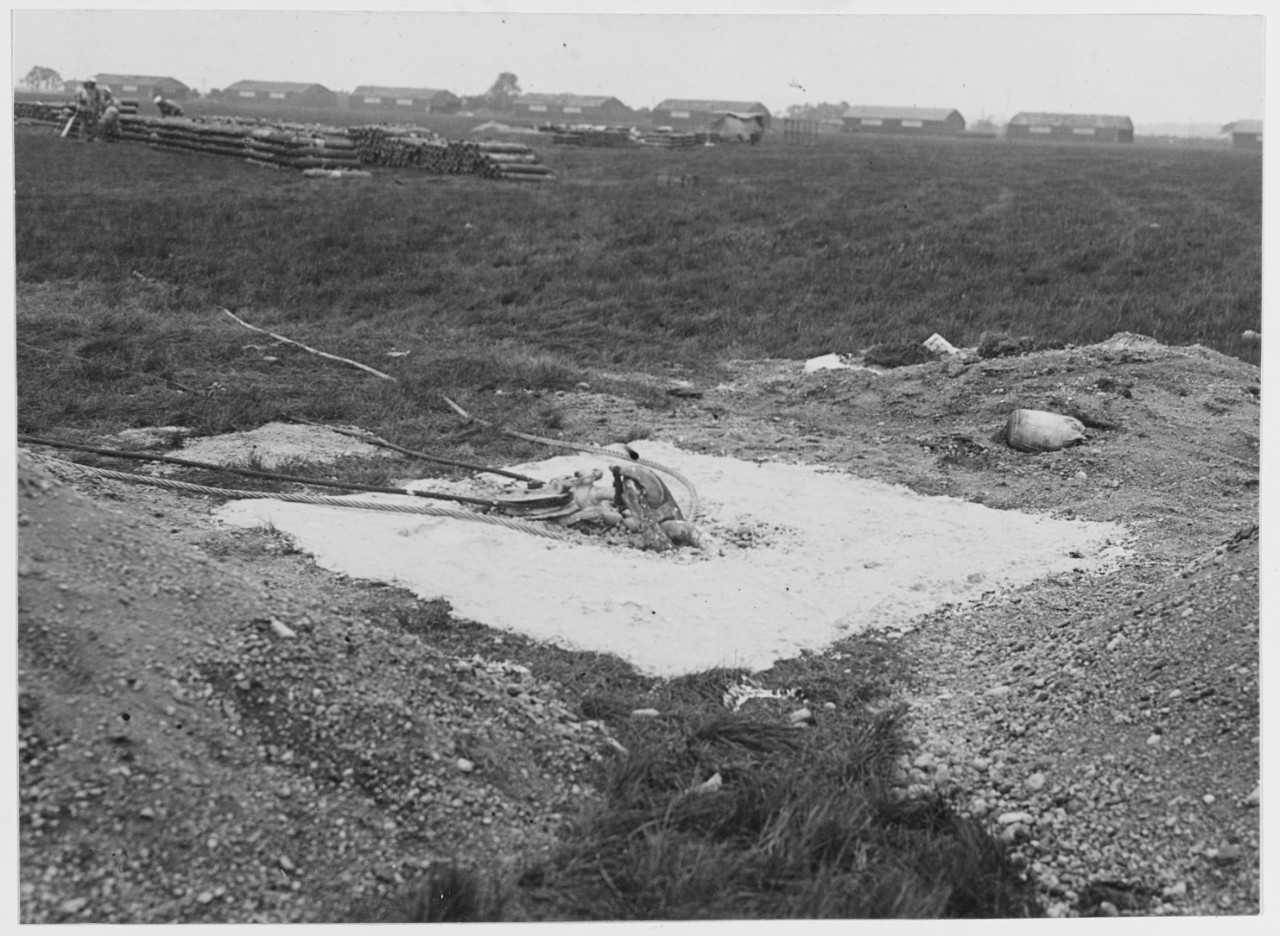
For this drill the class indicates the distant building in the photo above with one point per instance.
(572, 108)
(406, 100)
(300, 94)
(691, 114)
(144, 87)
(1087, 128)
(1245, 134)
(915, 121)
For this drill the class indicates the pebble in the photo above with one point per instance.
(710, 785)
(1036, 781)
(924, 761)
(998, 691)
(466, 766)
(286, 864)
(1020, 816)
(1175, 890)
(74, 905)
(280, 629)
(1209, 798)
(645, 713)
(1254, 798)
(1228, 854)
(800, 716)
(204, 897)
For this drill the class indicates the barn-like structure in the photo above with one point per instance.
(914, 121)
(300, 94)
(700, 114)
(144, 87)
(1086, 128)
(572, 108)
(403, 100)
(1245, 134)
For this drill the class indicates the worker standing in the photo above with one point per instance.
(89, 109)
(167, 107)
(109, 122)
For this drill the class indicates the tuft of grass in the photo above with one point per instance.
(805, 822)
(449, 893)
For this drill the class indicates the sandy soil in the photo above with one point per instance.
(1106, 724)
(792, 559)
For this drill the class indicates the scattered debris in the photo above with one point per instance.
(150, 438)
(1041, 431)
(747, 688)
(897, 354)
(998, 344)
(939, 345)
(825, 362)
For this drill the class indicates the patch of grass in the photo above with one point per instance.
(802, 824)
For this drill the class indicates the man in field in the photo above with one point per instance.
(167, 107)
(89, 108)
(109, 122)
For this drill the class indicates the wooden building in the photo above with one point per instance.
(403, 100)
(913, 121)
(1245, 134)
(1079, 128)
(144, 87)
(300, 94)
(700, 114)
(572, 108)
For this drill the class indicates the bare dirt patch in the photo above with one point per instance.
(1036, 706)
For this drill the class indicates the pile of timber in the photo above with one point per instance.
(593, 136)
(307, 146)
(301, 148)
(672, 140)
(59, 112)
(399, 147)
(182, 135)
(414, 148)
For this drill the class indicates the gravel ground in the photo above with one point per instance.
(213, 729)
(1113, 737)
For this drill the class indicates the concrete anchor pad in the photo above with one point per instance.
(793, 559)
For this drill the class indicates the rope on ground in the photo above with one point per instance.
(321, 501)
(366, 436)
(298, 344)
(694, 505)
(251, 473)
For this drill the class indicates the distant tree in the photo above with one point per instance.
(43, 79)
(503, 91)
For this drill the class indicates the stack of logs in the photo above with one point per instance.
(611, 136)
(420, 149)
(400, 147)
(300, 148)
(59, 112)
(219, 138)
(673, 140)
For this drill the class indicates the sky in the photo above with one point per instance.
(1185, 67)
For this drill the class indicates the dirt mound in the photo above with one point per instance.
(182, 758)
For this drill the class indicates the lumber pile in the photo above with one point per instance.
(593, 136)
(307, 146)
(182, 135)
(671, 140)
(301, 149)
(399, 147)
(414, 148)
(58, 112)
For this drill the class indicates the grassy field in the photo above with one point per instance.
(125, 254)
(779, 252)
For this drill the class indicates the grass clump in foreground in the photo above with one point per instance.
(721, 814)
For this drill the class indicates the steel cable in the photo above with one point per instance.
(318, 500)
